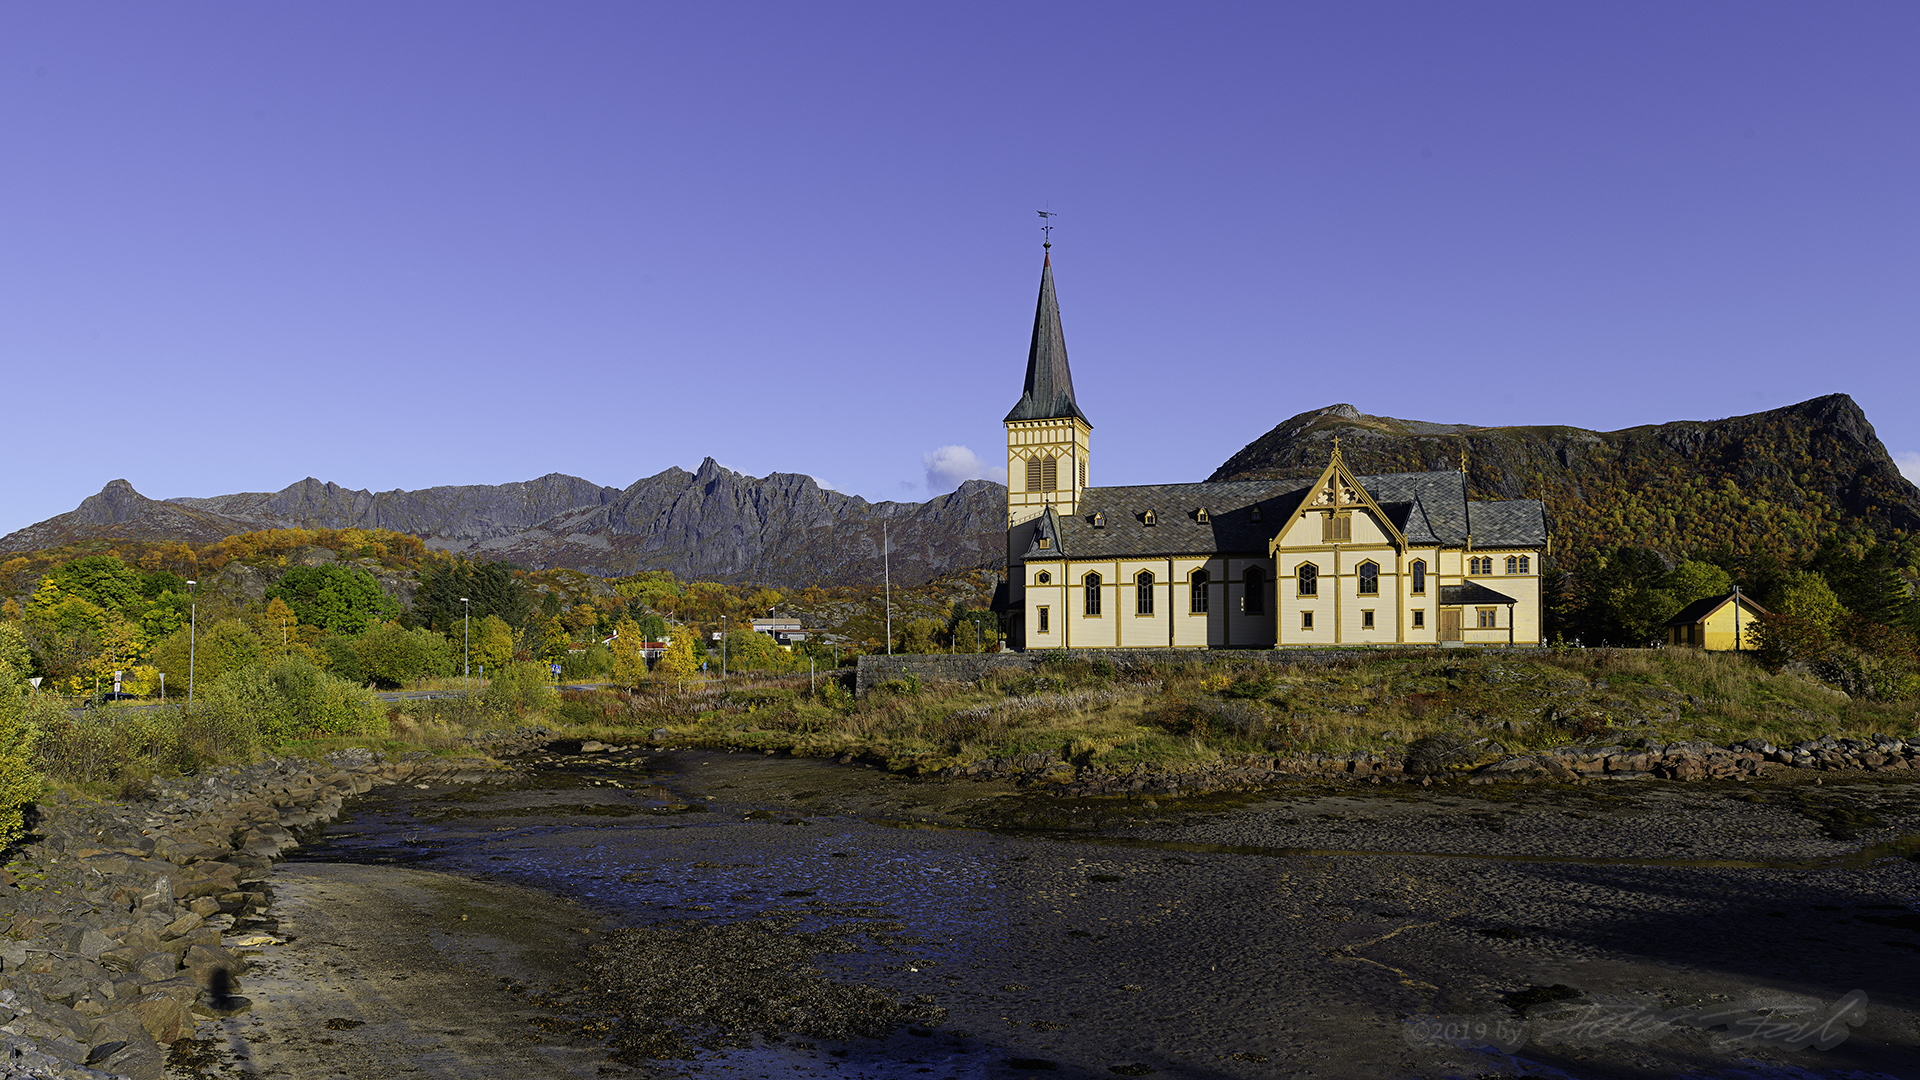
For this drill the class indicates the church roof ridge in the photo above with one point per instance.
(1048, 391)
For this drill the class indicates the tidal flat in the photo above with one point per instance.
(702, 914)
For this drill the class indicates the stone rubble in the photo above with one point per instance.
(1686, 761)
(116, 918)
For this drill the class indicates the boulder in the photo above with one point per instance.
(164, 1018)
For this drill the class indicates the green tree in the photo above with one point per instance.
(335, 598)
(392, 656)
(223, 645)
(19, 781)
(1805, 594)
(102, 580)
(1692, 581)
(65, 632)
(335, 654)
(15, 654)
(490, 589)
(492, 643)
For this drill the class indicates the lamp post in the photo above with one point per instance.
(193, 634)
(723, 648)
(466, 637)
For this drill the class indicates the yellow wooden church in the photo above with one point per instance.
(1394, 559)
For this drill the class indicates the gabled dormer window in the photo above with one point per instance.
(1046, 542)
(1146, 518)
(1099, 520)
(1256, 513)
(1200, 515)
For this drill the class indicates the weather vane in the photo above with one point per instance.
(1046, 228)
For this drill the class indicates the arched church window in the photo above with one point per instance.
(1419, 575)
(1093, 593)
(1049, 473)
(1309, 576)
(1197, 600)
(1513, 565)
(1523, 565)
(1255, 601)
(1369, 578)
(1143, 593)
(1033, 474)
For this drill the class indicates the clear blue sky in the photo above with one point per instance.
(400, 245)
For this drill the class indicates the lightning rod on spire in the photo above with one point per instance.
(1046, 228)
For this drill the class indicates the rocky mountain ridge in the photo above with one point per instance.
(1778, 479)
(713, 524)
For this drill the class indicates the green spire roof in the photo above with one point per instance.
(1049, 389)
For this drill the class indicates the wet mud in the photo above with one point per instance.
(711, 915)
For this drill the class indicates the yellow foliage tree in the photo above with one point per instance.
(629, 657)
(492, 644)
(677, 663)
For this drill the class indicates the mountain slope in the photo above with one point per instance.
(713, 524)
(1774, 480)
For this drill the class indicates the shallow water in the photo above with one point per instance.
(1087, 952)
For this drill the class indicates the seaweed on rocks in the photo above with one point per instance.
(683, 986)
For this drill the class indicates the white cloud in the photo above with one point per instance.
(1909, 463)
(826, 484)
(950, 466)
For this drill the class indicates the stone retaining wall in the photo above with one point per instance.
(116, 918)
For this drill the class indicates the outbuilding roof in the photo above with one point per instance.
(1702, 609)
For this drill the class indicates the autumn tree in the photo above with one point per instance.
(677, 663)
(629, 654)
(492, 643)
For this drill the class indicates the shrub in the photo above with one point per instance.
(290, 699)
(19, 780)
(392, 657)
(1432, 755)
(520, 688)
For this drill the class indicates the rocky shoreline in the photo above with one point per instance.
(119, 924)
(1685, 761)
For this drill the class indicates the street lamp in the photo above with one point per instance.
(723, 647)
(466, 636)
(193, 635)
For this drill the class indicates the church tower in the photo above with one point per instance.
(1047, 434)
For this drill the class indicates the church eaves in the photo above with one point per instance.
(1048, 393)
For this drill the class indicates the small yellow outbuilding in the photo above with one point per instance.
(1709, 623)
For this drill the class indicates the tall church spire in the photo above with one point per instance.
(1048, 392)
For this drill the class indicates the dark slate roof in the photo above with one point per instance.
(1472, 593)
(1427, 508)
(1509, 523)
(1177, 529)
(1048, 392)
(1701, 608)
(1441, 499)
